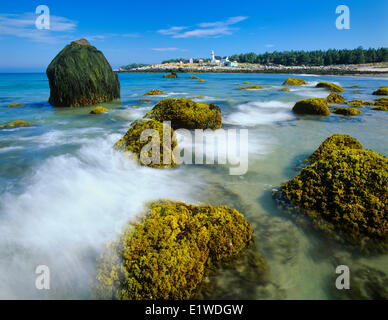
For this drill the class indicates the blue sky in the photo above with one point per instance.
(151, 31)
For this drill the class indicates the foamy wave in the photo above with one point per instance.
(69, 209)
(254, 113)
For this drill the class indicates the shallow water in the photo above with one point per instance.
(64, 191)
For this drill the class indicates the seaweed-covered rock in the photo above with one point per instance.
(172, 75)
(15, 124)
(285, 89)
(185, 113)
(194, 77)
(345, 194)
(153, 92)
(15, 105)
(331, 86)
(381, 102)
(380, 108)
(333, 143)
(170, 251)
(313, 106)
(246, 82)
(335, 98)
(81, 76)
(357, 103)
(347, 111)
(294, 82)
(368, 103)
(354, 86)
(201, 80)
(382, 91)
(161, 134)
(98, 110)
(144, 99)
(257, 86)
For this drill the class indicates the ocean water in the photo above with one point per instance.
(64, 191)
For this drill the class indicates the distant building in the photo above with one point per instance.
(225, 59)
(189, 60)
(230, 63)
(213, 58)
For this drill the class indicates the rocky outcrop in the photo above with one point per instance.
(313, 106)
(185, 113)
(331, 86)
(153, 92)
(81, 76)
(15, 124)
(294, 82)
(347, 111)
(99, 110)
(335, 98)
(382, 91)
(257, 86)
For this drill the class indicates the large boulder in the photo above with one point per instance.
(313, 106)
(347, 111)
(344, 193)
(382, 91)
(81, 76)
(185, 113)
(170, 252)
(335, 98)
(15, 124)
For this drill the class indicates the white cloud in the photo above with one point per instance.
(204, 29)
(165, 49)
(269, 45)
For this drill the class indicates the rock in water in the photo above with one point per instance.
(80, 76)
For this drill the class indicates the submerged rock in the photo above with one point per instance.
(313, 106)
(347, 111)
(153, 92)
(381, 102)
(163, 134)
(344, 194)
(170, 251)
(257, 86)
(143, 99)
(194, 77)
(98, 110)
(15, 124)
(331, 86)
(15, 104)
(172, 75)
(380, 108)
(294, 82)
(357, 103)
(382, 91)
(285, 89)
(368, 103)
(335, 98)
(81, 76)
(185, 113)
(201, 80)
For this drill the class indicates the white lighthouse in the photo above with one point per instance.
(213, 58)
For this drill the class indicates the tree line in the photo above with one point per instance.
(315, 58)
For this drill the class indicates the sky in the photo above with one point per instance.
(148, 31)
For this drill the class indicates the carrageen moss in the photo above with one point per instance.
(313, 106)
(185, 113)
(257, 86)
(382, 91)
(153, 92)
(169, 252)
(335, 98)
(98, 110)
(15, 124)
(131, 143)
(294, 82)
(345, 194)
(347, 111)
(331, 86)
(332, 143)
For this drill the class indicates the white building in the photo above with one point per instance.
(213, 59)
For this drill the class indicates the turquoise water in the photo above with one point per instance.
(64, 191)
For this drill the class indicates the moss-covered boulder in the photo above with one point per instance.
(345, 194)
(313, 106)
(81, 76)
(330, 86)
(153, 92)
(170, 251)
(381, 102)
(246, 82)
(159, 138)
(172, 75)
(354, 86)
(382, 91)
(380, 108)
(201, 80)
(357, 103)
(347, 111)
(335, 98)
(285, 89)
(332, 143)
(257, 86)
(15, 124)
(294, 82)
(368, 103)
(185, 113)
(15, 105)
(194, 77)
(99, 110)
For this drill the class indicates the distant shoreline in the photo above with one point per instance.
(318, 70)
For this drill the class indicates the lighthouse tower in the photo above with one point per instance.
(213, 58)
